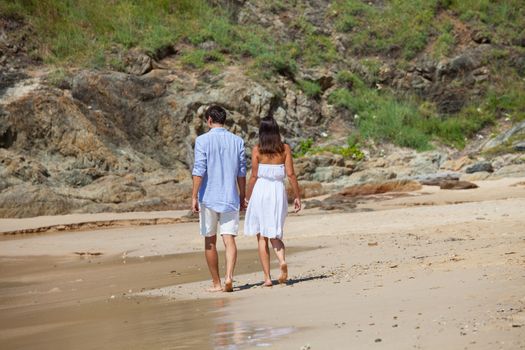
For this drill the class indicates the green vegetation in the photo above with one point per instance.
(445, 41)
(82, 32)
(199, 58)
(96, 33)
(315, 48)
(78, 31)
(507, 101)
(504, 19)
(305, 146)
(350, 150)
(404, 27)
(57, 77)
(382, 116)
(349, 80)
(311, 88)
(276, 6)
(398, 26)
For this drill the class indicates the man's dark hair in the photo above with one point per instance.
(216, 113)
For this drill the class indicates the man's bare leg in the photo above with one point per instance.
(212, 259)
(264, 257)
(231, 259)
(279, 249)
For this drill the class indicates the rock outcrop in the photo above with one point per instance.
(117, 141)
(100, 140)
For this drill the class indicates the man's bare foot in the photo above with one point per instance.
(284, 274)
(214, 289)
(228, 286)
(267, 283)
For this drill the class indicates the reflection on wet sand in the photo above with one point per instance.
(86, 303)
(238, 335)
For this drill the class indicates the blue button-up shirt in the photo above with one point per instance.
(219, 160)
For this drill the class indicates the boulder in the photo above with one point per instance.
(466, 61)
(456, 164)
(335, 202)
(111, 189)
(457, 185)
(377, 188)
(436, 179)
(480, 166)
(308, 189)
(426, 162)
(330, 173)
(137, 62)
(32, 200)
(368, 175)
(514, 170)
(346, 199)
(505, 159)
(322, 167)
(479, 176)
(519, 146)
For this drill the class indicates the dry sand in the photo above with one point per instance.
(434, 269)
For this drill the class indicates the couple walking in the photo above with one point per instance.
(219, 193)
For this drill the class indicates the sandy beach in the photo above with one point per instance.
(431, 269)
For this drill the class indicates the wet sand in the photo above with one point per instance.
(431, 270)
(87, 302)
(64, 300)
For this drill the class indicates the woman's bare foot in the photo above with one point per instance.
(267, 283)
(228, 286)
(284, 274)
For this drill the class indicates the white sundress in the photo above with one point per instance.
(268, 204)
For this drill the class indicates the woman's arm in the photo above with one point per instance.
(255, 168)
(290, 172)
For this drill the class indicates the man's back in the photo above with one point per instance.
(219, 160)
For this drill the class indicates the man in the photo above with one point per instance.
(219, 183)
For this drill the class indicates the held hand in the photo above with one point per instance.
(243, 204)
(194, 205)
(297, 205)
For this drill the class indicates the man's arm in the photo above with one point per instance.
(241, 182)
(197, 180)
(241, 177)
(199, 169)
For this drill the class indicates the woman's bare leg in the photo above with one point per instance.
(264, 257)
(280, 250)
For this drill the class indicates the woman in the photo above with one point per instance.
(266, 196)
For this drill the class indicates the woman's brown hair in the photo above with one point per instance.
(269, 137)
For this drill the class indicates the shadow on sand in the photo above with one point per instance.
(290, 282)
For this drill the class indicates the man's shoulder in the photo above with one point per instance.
(201, 138)
(235, 137)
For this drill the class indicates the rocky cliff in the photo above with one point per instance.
(92, 140)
